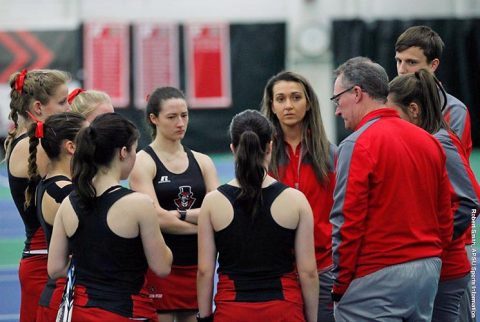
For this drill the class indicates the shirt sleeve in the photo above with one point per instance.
(464, 188)
(458, 119)
(349, 211)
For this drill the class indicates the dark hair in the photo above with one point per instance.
(314, 138)
(96, 146)
(155, 101)
(56, 129)
(38, 85)
(250, 133)
(422, 88)
(363, 72)
(423, 37)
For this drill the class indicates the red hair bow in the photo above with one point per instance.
(74, 94)
(20, 81)
(39, 129)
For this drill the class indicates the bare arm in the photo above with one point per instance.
(58, 252)
(206, 259)
(141, 180)
(158, 255)
(305, 259)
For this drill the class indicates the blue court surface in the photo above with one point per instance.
(12, 232)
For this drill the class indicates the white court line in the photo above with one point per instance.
(5, 317)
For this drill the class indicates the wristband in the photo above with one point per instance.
(205, 318)
(183, 214)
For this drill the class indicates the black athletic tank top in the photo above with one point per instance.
(29, 217)
(179, 192)
(110, 267)
(58, 194)
(256, 253)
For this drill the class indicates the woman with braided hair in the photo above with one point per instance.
(57, 140)
(34, 96)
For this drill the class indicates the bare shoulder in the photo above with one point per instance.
(136, 201)
(214, 197)
(144, 159)
(202, 159)
(144, 166)
(291, 200)
(66, 205)
(293, 194)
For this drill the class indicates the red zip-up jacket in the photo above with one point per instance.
(296, 171)
(391, 199)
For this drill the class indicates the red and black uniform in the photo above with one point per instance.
(392, 202)
(296, 170)
(52, 293)
(256, 260)
(33, 265)
(110, 270)
(177, 191)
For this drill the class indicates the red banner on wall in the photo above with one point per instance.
(207, 50)
(155, 57)
(107, 60)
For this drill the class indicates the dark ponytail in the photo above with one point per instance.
(84, 165)
(431, 106)
(96, 147)
(56, 129)
(250, 134)
(422, 88)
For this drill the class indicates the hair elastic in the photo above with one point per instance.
(20, 80)
(74, 94)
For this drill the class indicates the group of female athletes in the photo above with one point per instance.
(98, 251)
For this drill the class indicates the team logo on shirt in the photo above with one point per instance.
(185, 198)
(164, 179)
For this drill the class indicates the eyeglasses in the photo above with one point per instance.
(336, 98)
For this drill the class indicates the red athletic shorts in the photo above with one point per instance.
(46, 314)
(176, 292)
(49, 313)
(33, 277)
(278, 311)
(141, 308)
